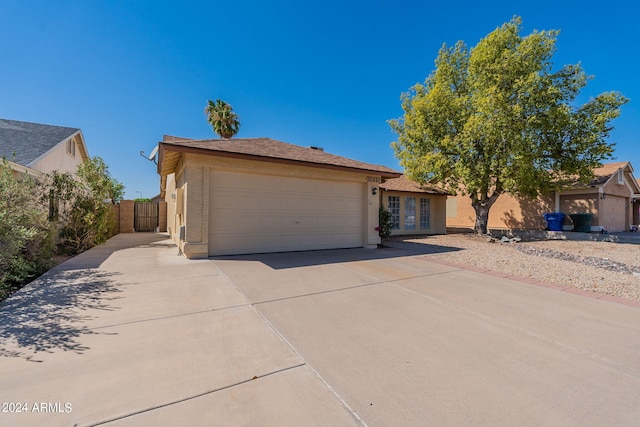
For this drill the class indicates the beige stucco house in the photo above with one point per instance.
(36, 149)
(609, 196)
(414, 209)
(256, 195)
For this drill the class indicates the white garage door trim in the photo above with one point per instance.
(261, 213)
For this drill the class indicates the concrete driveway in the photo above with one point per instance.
(129, 333)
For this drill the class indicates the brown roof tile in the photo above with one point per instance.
(403, 183)
(267, 149)
(601, 175)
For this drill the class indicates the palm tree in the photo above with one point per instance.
(222, 119)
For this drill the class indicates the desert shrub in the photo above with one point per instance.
(80, 205)
(26, 235)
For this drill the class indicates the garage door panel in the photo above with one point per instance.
(266, 204)
(238, 243)
(251, 213)
(352, 221)
(270, 222)
(347, 239)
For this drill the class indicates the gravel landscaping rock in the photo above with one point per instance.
(605, 263)
(602, 267)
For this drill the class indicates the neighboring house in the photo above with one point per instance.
(36, 149)
(258, 195)
(414, 209)
(636, 207)
(609, 197)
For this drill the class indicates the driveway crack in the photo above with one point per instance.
(195, 396)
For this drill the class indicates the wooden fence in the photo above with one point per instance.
(145, 217)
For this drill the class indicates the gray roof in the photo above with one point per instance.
(28, 141)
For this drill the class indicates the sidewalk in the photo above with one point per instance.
(130, 331)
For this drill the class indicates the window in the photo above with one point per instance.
(394, 209)
(425, 213)
(620, 176)
(409, 213)
(71, 147)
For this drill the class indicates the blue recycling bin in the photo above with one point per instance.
(554, 221)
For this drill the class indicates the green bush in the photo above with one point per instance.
(26, 236)
(80, 204)
(385, 223)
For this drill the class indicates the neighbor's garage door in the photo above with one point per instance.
(259, 213)
(613, 214)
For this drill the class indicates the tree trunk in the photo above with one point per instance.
(482, 217)
(482, 207)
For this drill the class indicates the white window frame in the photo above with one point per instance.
(409, 211)
(393, 204)
(71, 148)
(425, 213)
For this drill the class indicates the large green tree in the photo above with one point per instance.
(222, 119)
(497, 119)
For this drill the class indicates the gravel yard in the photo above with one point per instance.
(603, 267)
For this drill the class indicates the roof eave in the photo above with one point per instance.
(164, 147)
(24, 169)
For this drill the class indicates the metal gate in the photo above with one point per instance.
(145, 216)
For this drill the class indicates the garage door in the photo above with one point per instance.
(257, 213)
(614, 213)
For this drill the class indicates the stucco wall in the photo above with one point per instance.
(126, 216)
(162, 216)
(513, 214)
(580, 203)
(170, 197)
(58, 159)
(508, 212)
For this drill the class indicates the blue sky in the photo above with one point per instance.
(326, 73)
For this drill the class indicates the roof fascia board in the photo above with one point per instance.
(587, 190)
(83, 145)
(195, 150)
(24, 169)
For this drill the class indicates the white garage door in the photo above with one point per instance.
(258, 213)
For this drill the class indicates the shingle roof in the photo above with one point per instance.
(267, 149)
(403, 183)
(28, 141)
(601, 175)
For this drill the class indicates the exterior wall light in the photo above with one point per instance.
(374, 190)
